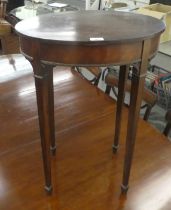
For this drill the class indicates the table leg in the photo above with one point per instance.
(123, 75)
(52, 120)
(45, 103)
(138, 78)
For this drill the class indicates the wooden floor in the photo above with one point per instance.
(86, 175)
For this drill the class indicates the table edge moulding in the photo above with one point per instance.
(89, 38)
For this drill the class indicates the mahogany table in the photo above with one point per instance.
(89, 38)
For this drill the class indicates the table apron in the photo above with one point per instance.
(86, 55)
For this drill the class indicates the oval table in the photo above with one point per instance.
(89, 38)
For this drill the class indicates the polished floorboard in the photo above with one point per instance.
(86, 174)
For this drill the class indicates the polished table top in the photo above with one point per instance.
(90, 27)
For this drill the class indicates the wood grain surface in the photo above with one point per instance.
(85, 172)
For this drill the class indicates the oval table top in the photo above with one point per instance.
(90, 27)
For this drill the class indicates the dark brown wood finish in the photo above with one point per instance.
(78, 27)
(85, 173)
(149, 97)
(137, 87)
(45, 110)
(66, 39)
(123, 75)
(168, 125)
